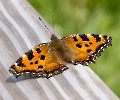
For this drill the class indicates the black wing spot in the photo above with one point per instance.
(75, 39)
(105, 37)
(84, 37)
(30, 55)
(36, 62)
(38, 50)
(31, 63)
(40, 66)
(22, 65)
(86, 45)
(98, 39)
(90, 43)
(19, 61)
(89, 50)
(42, 57)
(79, 45)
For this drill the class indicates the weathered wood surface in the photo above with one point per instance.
(20, 30)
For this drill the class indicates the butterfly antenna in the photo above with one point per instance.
(53, 25)
(44, 25)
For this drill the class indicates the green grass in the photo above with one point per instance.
(89, 16)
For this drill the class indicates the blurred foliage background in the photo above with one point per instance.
(89, 16)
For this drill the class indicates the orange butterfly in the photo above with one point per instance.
(49, 59)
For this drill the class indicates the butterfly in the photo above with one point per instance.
(49, 59)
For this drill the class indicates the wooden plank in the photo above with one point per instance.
(20, 30)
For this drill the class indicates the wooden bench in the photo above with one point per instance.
(20, 30)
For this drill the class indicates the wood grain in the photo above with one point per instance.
(20, 30)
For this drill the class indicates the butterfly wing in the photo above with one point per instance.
(39, 61)
(49, 59)
(86, 47)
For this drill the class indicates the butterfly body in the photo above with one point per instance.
(61, 50)
(49, 59)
